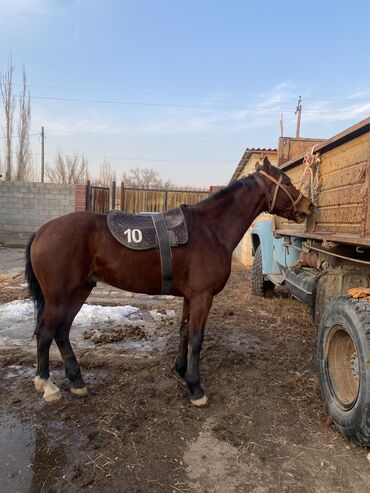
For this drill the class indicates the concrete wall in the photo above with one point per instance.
(24, 207)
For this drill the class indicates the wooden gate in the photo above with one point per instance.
(153, 200)
(97, 199)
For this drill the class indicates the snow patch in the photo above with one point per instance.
(18, 324)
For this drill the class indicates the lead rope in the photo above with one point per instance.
(312, 163)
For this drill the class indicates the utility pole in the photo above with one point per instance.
(282, 125)
(42, 154)
(298, 112)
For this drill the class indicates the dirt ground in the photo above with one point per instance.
(264, 429)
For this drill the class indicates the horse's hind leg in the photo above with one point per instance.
(55, 324)
(72, 368)
(45, 332)
(181, 362)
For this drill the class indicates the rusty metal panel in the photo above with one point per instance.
(348, 177)
(330, 229)
(348, 214)
(343, 203)
(352, 194)
(349, 154)
(98, 199)
(291, 148)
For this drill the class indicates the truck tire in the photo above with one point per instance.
(260, 287)
(343, 358)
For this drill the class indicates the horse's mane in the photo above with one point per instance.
(246, 181)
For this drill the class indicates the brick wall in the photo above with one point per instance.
(80, 197)
(24, 207)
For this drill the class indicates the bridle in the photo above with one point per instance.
(272, 199)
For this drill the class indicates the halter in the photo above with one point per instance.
(272, 200)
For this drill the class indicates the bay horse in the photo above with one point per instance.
(68, 255)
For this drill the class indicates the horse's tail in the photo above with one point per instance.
(34, 287)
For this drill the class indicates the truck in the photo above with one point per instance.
(325, 263)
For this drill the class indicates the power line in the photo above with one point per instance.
(143, 159)
(102, 134)
(332, 112)
(205, 96)
(144, 103)
(160, 93)
(159, 160)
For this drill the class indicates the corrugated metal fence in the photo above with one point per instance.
(133, 200)
(152, 200)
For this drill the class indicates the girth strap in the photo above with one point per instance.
(164, 251)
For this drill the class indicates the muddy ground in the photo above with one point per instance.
(264, 429)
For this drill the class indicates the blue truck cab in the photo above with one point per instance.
(276, 263)
(277, 254)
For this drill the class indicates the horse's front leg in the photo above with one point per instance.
(181, 362)
(199, 309)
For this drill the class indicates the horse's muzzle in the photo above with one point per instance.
(304, 211)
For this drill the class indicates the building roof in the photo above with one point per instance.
(245, 158)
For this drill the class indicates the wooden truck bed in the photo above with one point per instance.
(343, 209)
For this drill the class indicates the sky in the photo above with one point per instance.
(184, 87)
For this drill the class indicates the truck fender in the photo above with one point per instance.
(261, 235)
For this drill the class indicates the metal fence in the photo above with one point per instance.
(97, 199)
(152, 200)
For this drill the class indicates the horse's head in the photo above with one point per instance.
(282, 196)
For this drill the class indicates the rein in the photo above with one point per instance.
(272, 199)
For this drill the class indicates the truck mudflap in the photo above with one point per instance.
(301, 283)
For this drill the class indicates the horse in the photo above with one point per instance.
(68, 255)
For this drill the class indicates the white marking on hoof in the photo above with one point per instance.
(51, 391)
(79, 392)
(39, 384)
(200, 402)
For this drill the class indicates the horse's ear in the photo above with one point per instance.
(266, 164)
(258, 166)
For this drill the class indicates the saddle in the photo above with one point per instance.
(147, 230)
(140, 231)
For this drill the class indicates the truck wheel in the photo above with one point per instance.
(343, 364)
(260, 287)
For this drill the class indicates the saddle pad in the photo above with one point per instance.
(137, 231)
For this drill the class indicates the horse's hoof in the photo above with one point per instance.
(51, 391)
(52, 396)
(82, 392)
(203, 401)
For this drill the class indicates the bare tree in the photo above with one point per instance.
(106, 175)
(144, 178)
(24, 125)
(6, 87)
(68, 169)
